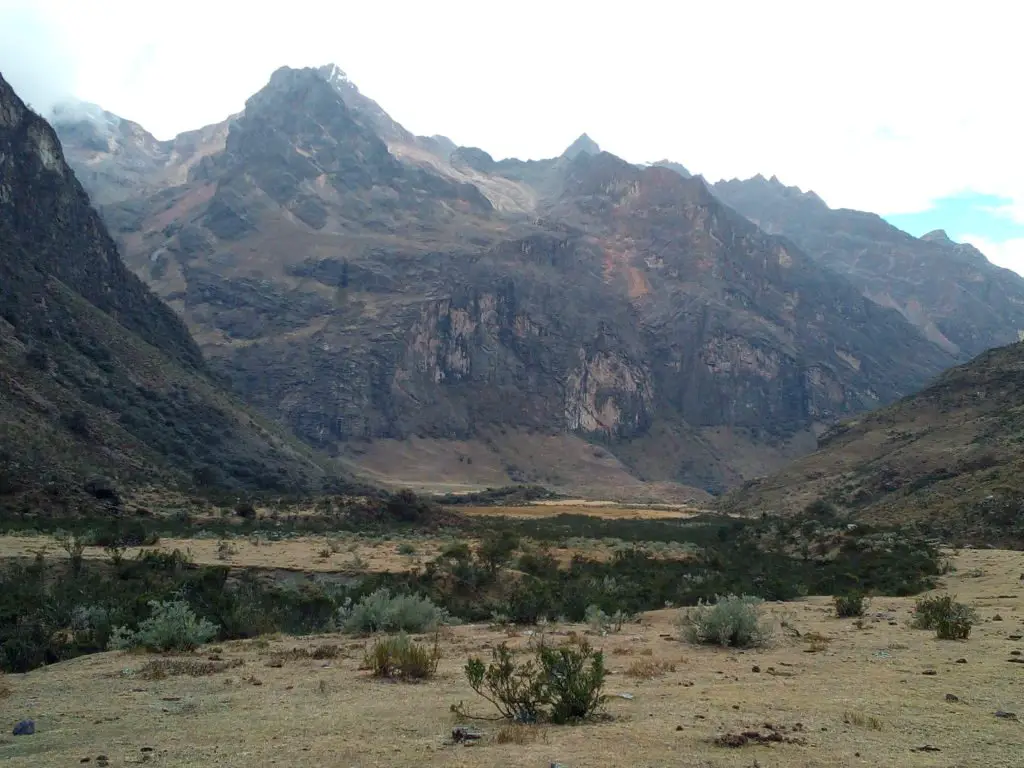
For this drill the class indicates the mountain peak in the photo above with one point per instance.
(583, 145)
(679, 168)
(937, 236)
(334, 75)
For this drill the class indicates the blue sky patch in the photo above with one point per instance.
(967, 213)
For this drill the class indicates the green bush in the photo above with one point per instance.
(850, 604)
(380, 612)
(172, 626)
(732, 622)
(575, 679)
(403, 658)
(560, 685)
(950, 620)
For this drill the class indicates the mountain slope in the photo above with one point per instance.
(958, 298)
(379, 291)
(97, 375)
(953, 454)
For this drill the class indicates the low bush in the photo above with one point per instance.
(560, 684)
(850, 604)
(403, 658)
(172, 626)
(731, 622)
(381, 612)
(950, 620)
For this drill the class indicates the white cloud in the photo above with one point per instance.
(1007, 253)
(881, 106)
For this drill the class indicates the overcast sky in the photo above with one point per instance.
(910, 109)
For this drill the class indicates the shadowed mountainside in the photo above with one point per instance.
(97, 375)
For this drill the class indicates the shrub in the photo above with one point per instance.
(850, 604)
(732, 622)
(380, 612)
(403, 658)
(950, 620)
(496, 548)
(172, 626)
(561, 684)
(575, 678)
(601, 623)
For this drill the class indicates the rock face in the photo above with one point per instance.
(949, 456)
(96, 373)
(950, 291)
(367, 285)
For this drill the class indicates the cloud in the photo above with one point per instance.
(885, 108)
(34, 56)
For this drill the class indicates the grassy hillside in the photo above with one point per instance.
(950, 456)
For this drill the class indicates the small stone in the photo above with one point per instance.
(1015, 637)
(755, 668)
(24, 728)
(929, 672)
(856, 754)
(735, 706)
(997, 617)
(1006, 715)
(679, 727)
(951, 698)
(961, 661)
(1015, 653)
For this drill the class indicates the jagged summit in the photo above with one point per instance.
(583, 145)
(335, 75)
(938, 236)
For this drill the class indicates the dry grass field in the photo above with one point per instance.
(837, 695)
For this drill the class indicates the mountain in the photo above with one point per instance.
(959, 300)
(97, 375)
(438, 317)
(583, 145)
(677, 167)
(951, 455)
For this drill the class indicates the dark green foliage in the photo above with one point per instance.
(562, 684)
(405, 506)
(497, 547)
(850, 604)
(506, 495)
(950, 620)
(575, 681)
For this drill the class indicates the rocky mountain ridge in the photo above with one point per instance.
(958, 299)
(377, 290)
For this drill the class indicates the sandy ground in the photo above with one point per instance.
(869, 698)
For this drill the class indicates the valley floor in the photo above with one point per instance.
(847, 696)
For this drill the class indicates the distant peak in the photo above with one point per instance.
(334, 75)
(937, 236)
(583, 145)
(677, 167)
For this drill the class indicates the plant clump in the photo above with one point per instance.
(403, 658)
(380, 611)
(731, 622)
(950, 620)
(559, 684)
(171, 626)
(850, 604)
